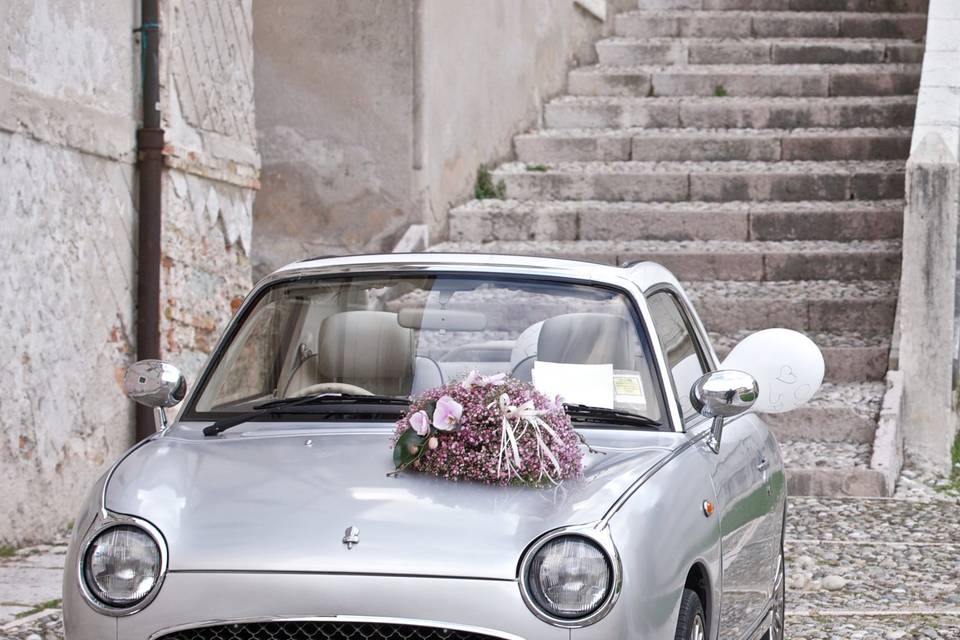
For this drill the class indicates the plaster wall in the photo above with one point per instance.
(334, 94)
(376, 114)
(487, 69)
(69, 103)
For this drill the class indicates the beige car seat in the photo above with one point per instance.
(368, 349)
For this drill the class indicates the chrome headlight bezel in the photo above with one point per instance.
(600, 539)
(101, 527)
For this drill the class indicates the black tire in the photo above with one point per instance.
(692, 624)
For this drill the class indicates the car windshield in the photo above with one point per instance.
(398, 335)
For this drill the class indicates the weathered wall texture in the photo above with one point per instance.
(927, 317)
(375, 114)
(487, 69)
(207, 105)
(334, 84)
(69, 90)
(67, 103)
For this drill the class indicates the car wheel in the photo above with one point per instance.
(692, 624)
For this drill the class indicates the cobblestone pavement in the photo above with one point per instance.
(859, 569)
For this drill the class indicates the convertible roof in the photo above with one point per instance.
(644, 274)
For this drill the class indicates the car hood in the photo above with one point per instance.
(281, 501)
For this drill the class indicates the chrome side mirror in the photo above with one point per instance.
(723, 394)
(155, 384)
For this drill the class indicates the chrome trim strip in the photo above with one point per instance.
(594, 533)
(433, 624)
(639, 482)
(104, 512)
(114, 520)
(361, 574)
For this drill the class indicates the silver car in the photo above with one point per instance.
(266, 509)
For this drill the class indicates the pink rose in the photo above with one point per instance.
(447, 414)
(420, 423)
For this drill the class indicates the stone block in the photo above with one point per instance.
(835, 482)
(865, 25)
(846, 146)
(619, 53)
(833, 265)
(878, 185)
(609, 82)
(661, 223)
(797, 25)
(568, 114)
(596, 186)
(903, 82)
(712, 264)
(833, 53)
(685, 82)
(790, 187)
(874, 315)
(708, 146)
(647, 25)
(819, 424)
(736, 52)
(571, 148)
(804, 224)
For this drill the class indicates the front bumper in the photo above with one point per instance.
(489, 607)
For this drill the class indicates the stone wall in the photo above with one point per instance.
(69, 94)
(927, 316)
(376, 114)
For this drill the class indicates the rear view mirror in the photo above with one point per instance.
(437, 319)
(155, 384)
(723, 394)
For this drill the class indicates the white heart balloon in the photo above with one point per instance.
(787, 366)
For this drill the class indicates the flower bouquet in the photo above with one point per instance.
(496, 430)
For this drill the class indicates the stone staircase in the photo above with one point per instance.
(757, 149)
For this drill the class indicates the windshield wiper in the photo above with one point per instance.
(284, 405)
(588, 413)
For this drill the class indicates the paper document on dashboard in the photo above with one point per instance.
(590, 384)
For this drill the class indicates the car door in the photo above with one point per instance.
(734, 469)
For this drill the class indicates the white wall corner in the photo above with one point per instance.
(596, 8)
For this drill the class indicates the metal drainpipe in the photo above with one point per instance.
(150, 167)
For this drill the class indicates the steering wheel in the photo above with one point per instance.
(331, 387)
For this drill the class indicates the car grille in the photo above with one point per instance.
(322, 631)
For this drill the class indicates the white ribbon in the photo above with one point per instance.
(515, 422)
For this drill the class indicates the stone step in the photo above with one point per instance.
(488, 220)
(749, 261)
(683, 51)
(746, 80)
(768, 145)
(769, 24)
(831, 469)
(727, 306)
(838, 414)
(706, 181)
(882, 521)
(883, 6)
(850, 356)
(730, 113)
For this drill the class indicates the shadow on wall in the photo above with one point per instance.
(375, 115)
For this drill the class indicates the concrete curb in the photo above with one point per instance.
(26, 620)
(888, 442)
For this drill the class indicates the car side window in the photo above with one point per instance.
(680, 347)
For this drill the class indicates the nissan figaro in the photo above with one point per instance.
(270, 506)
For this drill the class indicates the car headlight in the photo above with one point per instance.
(121, 566)
(569, 577)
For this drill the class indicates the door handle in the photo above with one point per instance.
(763, 465)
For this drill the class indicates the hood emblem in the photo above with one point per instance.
(351, 537)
